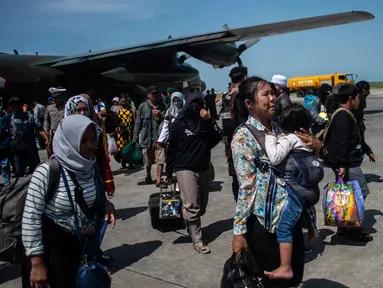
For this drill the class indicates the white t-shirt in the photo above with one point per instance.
(278, 148)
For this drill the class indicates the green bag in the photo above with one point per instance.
(132, 154)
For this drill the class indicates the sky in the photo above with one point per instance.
(67, 27)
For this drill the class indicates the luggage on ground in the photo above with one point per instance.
(165, 209)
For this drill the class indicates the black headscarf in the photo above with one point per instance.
(190, 117)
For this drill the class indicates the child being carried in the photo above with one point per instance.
(302, 171)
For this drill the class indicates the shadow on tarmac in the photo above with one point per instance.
(322, 283)
(126, 213)
(126, 255)
(373, 178)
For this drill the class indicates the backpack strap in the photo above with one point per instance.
(325, 132)
(54, 178)
(259, 136)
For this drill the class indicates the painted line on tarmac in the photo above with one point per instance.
(150, 276)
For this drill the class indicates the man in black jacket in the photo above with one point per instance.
(364, 91)
(345, 153)
(192, 135)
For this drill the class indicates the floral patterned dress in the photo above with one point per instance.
(253, 184)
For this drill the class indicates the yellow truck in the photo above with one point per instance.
(301, 84)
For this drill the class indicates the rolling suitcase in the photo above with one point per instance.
(165, 209)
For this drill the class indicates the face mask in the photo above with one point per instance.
(178, 105)
(193, 111)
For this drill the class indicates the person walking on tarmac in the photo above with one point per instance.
(229, 125)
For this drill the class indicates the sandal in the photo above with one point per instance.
(201, 247)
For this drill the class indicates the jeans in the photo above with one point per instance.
(29, 158)
(355, 173)
(5, 170)
(288, 218)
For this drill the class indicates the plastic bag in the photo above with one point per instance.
(343, 204)
(241, 271)
(112, 146)
(132, 154)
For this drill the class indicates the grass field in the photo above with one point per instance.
(376, 85)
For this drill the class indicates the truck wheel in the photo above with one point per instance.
(300, 94)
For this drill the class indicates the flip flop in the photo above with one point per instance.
(201, 247)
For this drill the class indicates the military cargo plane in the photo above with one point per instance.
(154, 63)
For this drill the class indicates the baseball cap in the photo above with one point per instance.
(171, 90)
(151, 89)
(116, 99)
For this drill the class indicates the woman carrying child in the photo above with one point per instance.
(256, 100)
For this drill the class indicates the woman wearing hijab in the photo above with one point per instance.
(177, 103)
(80, 104)
(192, 136)
(48, 229)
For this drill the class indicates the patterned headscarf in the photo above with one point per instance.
(71, 104)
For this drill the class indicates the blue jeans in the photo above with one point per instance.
(5, 170)
(288, 218)
(29, 158)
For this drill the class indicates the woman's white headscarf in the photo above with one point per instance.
(67, 145)
(174, 110)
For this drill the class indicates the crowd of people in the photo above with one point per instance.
(267, 138)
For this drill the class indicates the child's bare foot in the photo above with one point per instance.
(283, 272)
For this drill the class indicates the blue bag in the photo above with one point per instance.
(92, 273)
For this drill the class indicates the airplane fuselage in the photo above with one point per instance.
(161, 68)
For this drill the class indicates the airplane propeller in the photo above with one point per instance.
(183, 58)
(244, 46)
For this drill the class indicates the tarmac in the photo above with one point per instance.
(146, 258)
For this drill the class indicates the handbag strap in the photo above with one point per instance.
(75, 214)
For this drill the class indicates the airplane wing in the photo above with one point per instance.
(227, 36)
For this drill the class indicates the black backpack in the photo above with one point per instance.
(12, 201)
